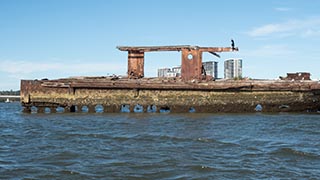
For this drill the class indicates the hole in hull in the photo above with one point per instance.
(47, 110)
(73, 108)
(165, 109)
(125, 108)
(192, 110)
(85, 109)
(60, 109)
(138, 109)
(99, 108)
(34, 109)
(258, 108)
(152, 109)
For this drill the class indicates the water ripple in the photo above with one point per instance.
(290, 152)
(158, 146)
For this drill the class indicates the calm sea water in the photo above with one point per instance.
(158, 146)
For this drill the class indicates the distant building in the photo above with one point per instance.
(211, 68)
(177, 71)
(163, 72)
(167, 72)
(232, 68)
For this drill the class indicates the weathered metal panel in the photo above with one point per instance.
(27, 87)
(135, 64)
(191, 64)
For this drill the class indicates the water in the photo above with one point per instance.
(158, 146)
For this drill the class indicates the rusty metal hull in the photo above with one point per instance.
(170, 94)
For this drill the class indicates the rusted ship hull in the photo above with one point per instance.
(170, 95)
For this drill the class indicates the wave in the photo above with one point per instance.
(290, 152)
(173, 139)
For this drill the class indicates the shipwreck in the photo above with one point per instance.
(194, 91)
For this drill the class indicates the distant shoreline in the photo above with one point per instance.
(11, 99)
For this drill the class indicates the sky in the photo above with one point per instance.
(64, 38)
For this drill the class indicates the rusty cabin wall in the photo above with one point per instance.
(191, 64)
(135, 64)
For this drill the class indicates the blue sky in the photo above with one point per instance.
(63, 38)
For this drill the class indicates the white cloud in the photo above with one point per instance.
(269, 51)
(273, 60)
(268, 29)
(301, 27)
(282, 9)
(311, 33)
(24, 68)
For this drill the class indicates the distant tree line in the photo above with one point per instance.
(11, 92)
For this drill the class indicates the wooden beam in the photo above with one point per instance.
(155, 48)
(175, 48)
(218, 49)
